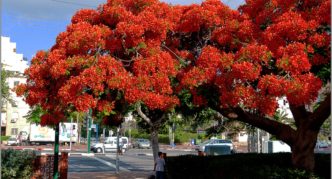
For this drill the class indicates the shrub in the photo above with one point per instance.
(180, 136)
(250, 165)
(163, 138)
(4, 138)
(137, 134)
(184, 137)
(17, 163)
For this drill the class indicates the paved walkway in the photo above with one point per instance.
(110, 175)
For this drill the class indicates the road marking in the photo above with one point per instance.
(121, 168)
(147, 154)
(110, 155)
(43, 153)
(88, 155)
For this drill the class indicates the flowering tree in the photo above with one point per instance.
(106, 60)
(147, 53)
(244, 60)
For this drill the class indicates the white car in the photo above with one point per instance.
(110, 145)
(13, 141)
(229, 143)
(142, 144)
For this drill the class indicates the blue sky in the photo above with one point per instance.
(34, 24)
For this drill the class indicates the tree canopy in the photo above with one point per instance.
(145, 51)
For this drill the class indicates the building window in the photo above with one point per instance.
(16, 83)
(14, 131)
(14, 50)
(14, 103)
(14, 117)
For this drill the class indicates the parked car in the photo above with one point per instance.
(110, 145)
(13, 141)
(212, 150)
(321, 145)
(201, 147)
(142, 143)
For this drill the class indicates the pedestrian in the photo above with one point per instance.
(159, 166)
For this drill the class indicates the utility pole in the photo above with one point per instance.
(130, 132)
(258, 141)
(117, 149)
(71, 131)
(97, 133)
(89, 128)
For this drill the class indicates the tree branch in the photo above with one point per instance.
(299, 114)
(318, 117)
(142, 115)
(280, 130)
(164, 46)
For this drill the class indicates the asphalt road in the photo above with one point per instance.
(132, 160)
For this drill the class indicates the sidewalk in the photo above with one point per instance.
(110, 175)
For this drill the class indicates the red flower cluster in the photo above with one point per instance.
(146, 51)
(293, 58)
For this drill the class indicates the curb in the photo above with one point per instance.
(90, 154)
(148, 154)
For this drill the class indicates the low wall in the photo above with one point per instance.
(43, 166)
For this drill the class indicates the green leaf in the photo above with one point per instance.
(141, 45)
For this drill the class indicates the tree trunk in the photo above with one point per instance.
(154, 141)
(303, 156)
(302, 140)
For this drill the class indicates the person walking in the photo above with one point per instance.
(159, 166)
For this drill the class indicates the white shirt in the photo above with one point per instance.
(160, 164)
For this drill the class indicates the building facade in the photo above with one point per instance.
(13, 112)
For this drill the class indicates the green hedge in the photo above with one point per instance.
(180, 137)
(4, 138)
(272, 166)
(17, 163)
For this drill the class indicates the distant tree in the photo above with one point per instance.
(5, 91)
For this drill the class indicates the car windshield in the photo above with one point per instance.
(143, 140)
(223, 141)
(205, 142)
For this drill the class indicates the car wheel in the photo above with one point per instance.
(99, 150)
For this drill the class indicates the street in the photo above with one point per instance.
(132, 160)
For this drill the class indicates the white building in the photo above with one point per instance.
(12, 114)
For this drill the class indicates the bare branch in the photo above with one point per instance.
(142, 115)
(179, 58)
(318, 117)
